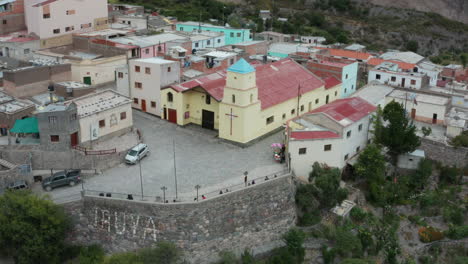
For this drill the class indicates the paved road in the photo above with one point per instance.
(201, 158)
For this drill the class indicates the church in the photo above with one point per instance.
(248, 101)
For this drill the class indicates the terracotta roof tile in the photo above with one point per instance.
(401, 65)
(350, 54)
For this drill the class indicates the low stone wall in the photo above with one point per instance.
(253, 218)
(9, 176)
(45, 160)
(446, 154)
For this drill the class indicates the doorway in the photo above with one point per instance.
(87, 80)
(74, 139)
(403, 82)
(172, 115)
(434, 119)
(143, 105)
(413, 113)
(208, 119)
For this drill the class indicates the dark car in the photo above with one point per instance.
(62, 178)
(18, 185)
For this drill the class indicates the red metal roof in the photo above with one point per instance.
(276, 82)
(354, 109)
(313, 134)
(331, 82)
(401, 65)
(350, 54)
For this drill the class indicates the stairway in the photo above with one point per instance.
(7, 164)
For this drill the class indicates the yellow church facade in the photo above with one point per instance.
(248, 102)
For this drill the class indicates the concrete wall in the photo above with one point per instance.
(424, 111)
(122, 83)
(20, 50)
(446, 154)
(231, 35)
(386, 78)
(66, 124)
(100, 70)
(253, 218)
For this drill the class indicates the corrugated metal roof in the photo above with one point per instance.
(346, 111)
(313, 134)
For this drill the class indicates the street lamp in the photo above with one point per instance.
(197, 187)
(164, 188)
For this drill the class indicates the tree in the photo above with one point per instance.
(123, 258)
(93, 254)
(347, 243)
(163, 253)
(460, 140)
(294, 239)
(464, 59)
(419, 178)
(426, 131)
(357, 261)
(399, 134)
(412, 45)
(371, 164)
(32, 229)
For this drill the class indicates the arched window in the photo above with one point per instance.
(170, 97)
(251, 98)
(233, 99)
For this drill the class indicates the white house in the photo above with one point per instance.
(147, 77)
(331, 134)
(433, 71)
(374, 93)
(102, 115)
(54, 21)
(390, 73)
(422, 106)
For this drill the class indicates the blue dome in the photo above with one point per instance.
(241, 66)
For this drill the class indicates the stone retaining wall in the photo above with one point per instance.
(253, 218)
(446, 154)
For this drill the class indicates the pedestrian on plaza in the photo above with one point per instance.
(226, 190)
(253, 182)
(221, 192)
(266, 178)
(245, 180)
(203, 197)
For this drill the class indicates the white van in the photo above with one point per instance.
(136, 153)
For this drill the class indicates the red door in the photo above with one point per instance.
(143, 105)
(172, 115)
(413, 113)
(74, 139)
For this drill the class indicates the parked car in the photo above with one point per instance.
(62, 178)
(18, 185)
(137, 153)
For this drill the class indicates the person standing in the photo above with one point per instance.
(245, 180)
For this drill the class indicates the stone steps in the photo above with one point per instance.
(7, 164)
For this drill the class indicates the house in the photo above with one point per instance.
(374, 93)
(54, 21)
(406, 56)
(251, 48)
(73, 89)
(265, 14)
(231, 35)
(312, 40)
(58, 126)
(103, 115)
(12, 16)
(433, 71)
(147, 77)
(331, 134)
(390, 73)
(347, 73)
(404, 66)
(348, 55)
(12, 109)
(18, 45)
(34, 80)
(204, 39)
(284, 50)
(451, 72)
(410, 161)
(275, 37)
(129, 22)
(245, 103)
(149, 46)
(88, 68)
(422, 106)
(125, 9)
(356, 47)
(212, 61)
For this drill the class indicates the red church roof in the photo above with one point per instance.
(276, 82)
(331, 82)
(354, 109)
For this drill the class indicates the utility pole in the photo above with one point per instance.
(141, 180)
(175, 168)
(164, 188)
(197, 187)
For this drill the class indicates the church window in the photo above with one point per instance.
(336, 93)
(251, 98)
(302, 108)
(316, 101)
(270, 120)
(233, 99)
(293, 111)
(327, 98)
(170, 97)
(284, 116)
(208, 99)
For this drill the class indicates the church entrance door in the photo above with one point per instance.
(172, 113)
(208, 119)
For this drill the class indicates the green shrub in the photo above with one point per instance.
(93, 254)
(457, 232)
(453, 214)
(357, 214)
(310, 219)
(417, 220)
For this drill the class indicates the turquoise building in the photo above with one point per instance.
(349, 79)
(231, 35)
